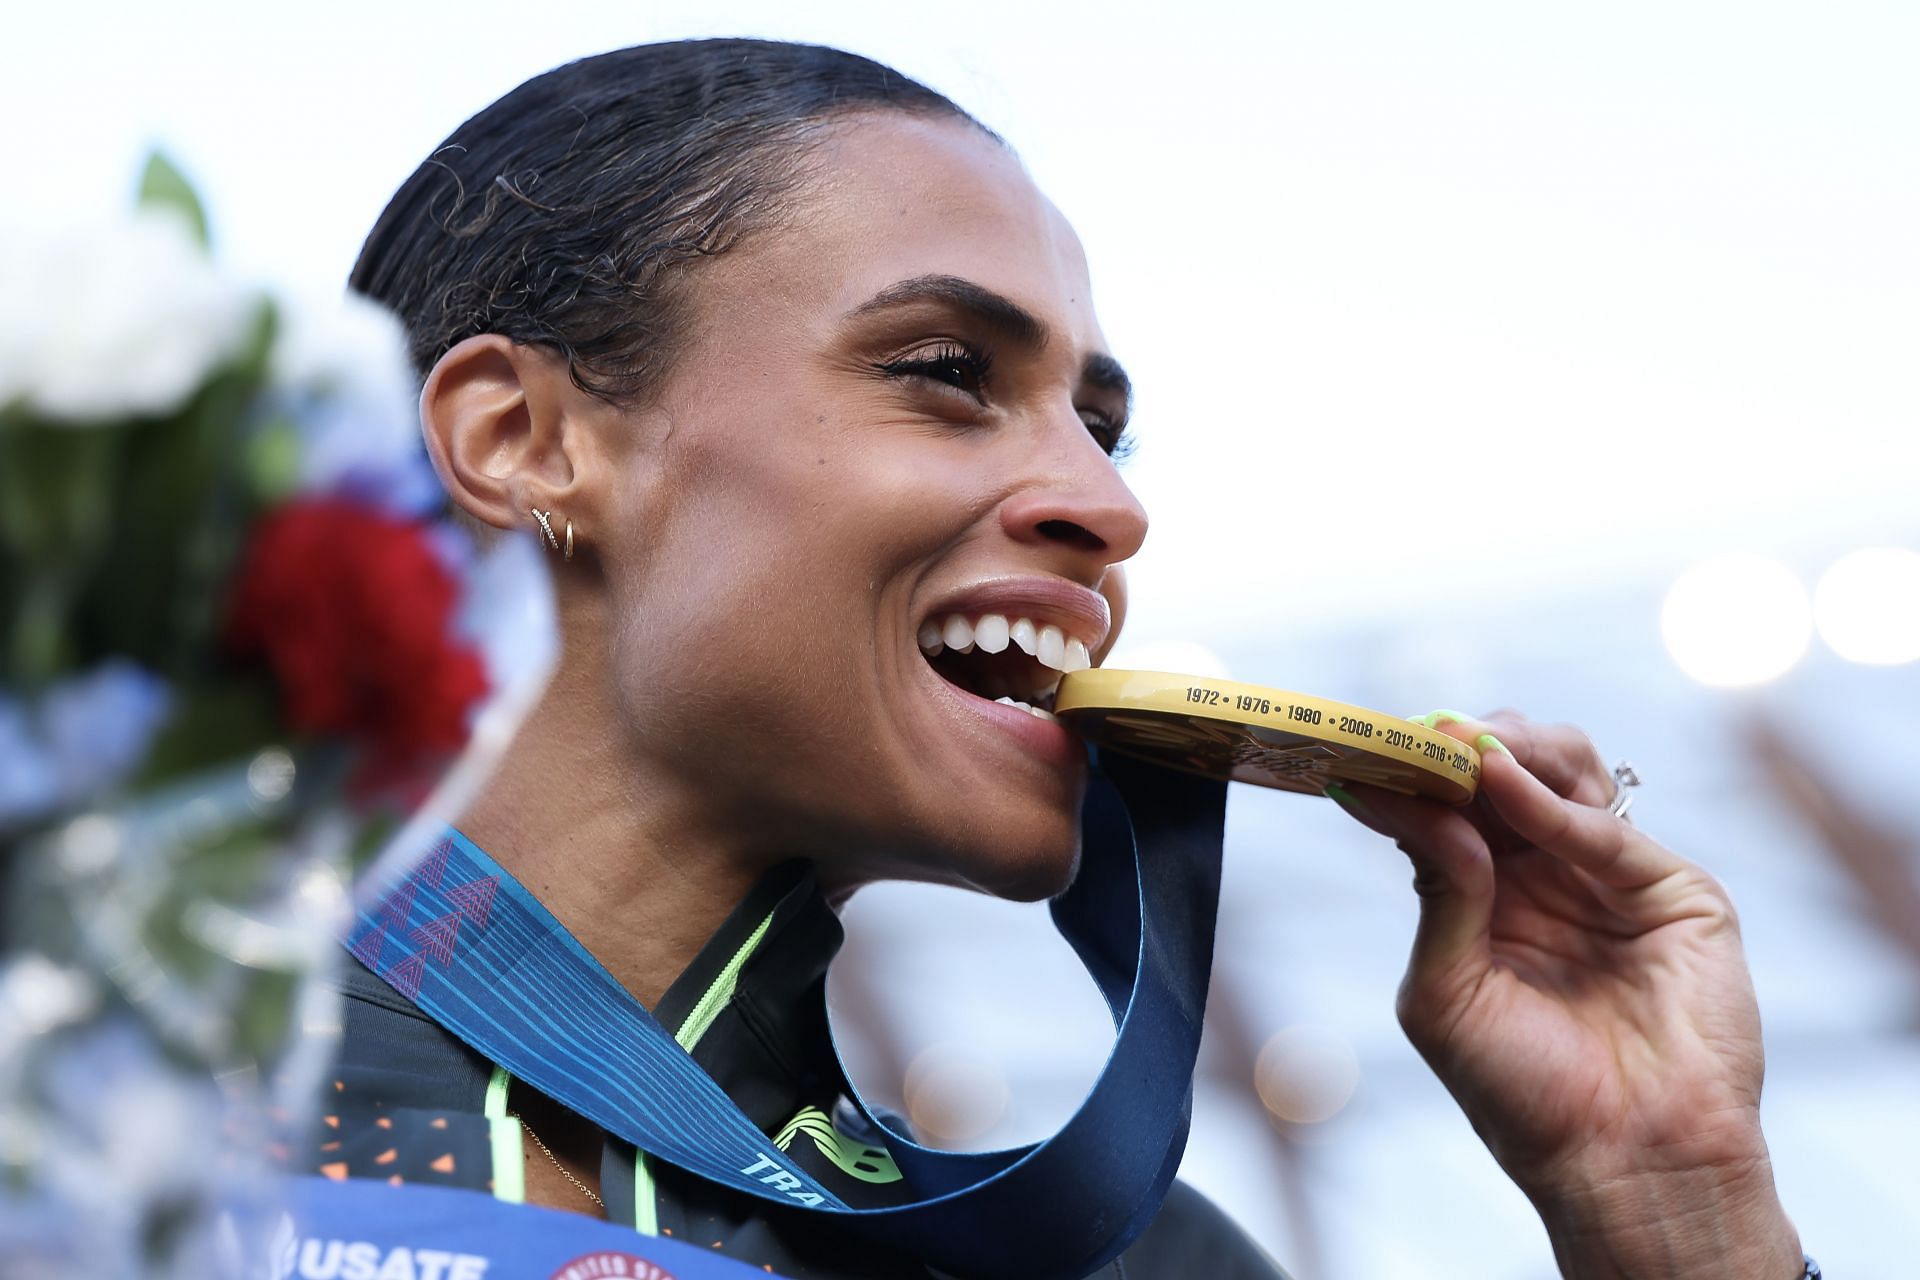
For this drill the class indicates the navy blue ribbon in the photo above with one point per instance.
(477, 953)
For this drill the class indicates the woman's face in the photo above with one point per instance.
(891, 420)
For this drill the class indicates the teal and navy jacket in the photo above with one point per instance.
(409, 1103)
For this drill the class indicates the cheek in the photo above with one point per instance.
(764, 628)
(745, 631)
(812, 526)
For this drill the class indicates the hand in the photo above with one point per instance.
(1582, 993)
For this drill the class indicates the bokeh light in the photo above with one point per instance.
(1306, 1074)
(954, 1092)
(1737, 620)
(1867, 606)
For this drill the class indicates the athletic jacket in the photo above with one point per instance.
(408, 1102)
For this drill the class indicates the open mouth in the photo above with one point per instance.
(1014, 661)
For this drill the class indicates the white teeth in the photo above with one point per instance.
(958, 634)
(990, 633)
(1053, 648)
(994, 633)
(1038, 713)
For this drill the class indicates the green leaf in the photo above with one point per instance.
(162, 185)
(181, 515)
(273, 456)
(57, 505)
(219, 722)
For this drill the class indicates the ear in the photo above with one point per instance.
(508, 431)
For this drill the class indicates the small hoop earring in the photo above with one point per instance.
(566, 552)
(545, 528)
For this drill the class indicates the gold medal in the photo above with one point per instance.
(1269, 737)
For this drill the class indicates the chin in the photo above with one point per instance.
(1004, 837)
(1032, 868)
(1027, 861)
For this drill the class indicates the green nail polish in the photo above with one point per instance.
(1487, 742)
(1342, 797)
(1444, 714)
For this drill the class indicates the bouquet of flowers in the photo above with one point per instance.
(243, 651)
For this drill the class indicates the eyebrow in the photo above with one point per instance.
(996, 312)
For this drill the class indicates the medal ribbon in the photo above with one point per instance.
(477, 953)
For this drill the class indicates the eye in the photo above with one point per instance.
(950, 364)
(1115, 437)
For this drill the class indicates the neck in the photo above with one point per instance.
(620, 857)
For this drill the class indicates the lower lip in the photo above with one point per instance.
(1048, 739)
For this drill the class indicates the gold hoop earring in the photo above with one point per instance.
(566, 553)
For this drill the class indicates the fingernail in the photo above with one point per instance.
(1487, 742)
(1434, 717)
(1344, 798)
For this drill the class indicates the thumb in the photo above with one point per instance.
(1454, 878)
(1451, 944)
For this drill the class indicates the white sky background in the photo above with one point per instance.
(1440, 313)
(1423, 300)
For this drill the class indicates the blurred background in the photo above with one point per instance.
(1489, 355)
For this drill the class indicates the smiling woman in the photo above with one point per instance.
(791, 453)
(808, 372)
(808, 369)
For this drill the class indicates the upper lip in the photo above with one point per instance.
(1080, 612)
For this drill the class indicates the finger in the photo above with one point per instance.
(1453, 875)
(1353, 808)
(1375, 818)
(1610, 850)
(1560, 755)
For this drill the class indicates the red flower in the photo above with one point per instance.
(352, 610)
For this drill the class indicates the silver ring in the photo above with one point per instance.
(1624, 780)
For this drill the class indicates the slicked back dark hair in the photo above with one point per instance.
(557, 215)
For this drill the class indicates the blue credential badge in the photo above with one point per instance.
(364, 1230)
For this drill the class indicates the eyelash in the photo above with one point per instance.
(966, 370)
(1116, 438)
(970, 364)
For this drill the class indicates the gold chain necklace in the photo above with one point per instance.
(554, 1160)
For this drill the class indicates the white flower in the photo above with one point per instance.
(346, 343)
(340, 368)
(127, 1139)
(106, 321)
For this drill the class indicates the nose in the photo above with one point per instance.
(1077, 504)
